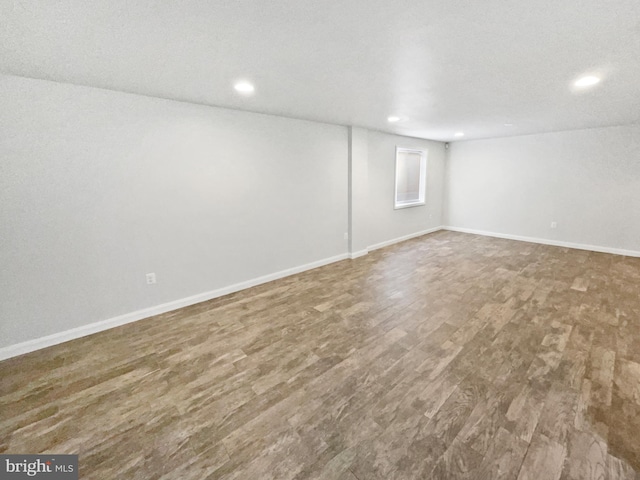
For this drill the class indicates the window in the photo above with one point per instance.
(411, 177)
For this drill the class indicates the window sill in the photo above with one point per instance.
(398, 206)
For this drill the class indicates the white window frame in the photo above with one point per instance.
(423, 180)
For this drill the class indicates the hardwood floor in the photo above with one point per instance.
(451, 356)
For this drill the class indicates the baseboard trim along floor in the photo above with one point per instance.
(546, 241)
(95, 327)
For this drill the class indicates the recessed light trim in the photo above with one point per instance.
(587, 81)
(244, 87)
(459, 134)
(393, 119)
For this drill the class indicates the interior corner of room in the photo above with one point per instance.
(101, 187)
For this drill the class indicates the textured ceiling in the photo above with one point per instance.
(443, 65)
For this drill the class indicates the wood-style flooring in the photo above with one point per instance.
(450, 356)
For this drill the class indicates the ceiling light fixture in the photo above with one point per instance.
(508, 124)
(459, 134)
(244, 87)
(587, 81)
(393, 119)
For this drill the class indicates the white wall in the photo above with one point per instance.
(359, 220)
(588, 181)
(97, 188)
(385, 222)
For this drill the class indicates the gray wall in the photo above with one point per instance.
(386, 222)
(97, 188)
(359, 219)
(588, 181)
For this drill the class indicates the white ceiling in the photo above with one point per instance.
(442, 65)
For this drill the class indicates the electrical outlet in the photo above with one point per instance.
(151, 278)
(554, 224)
(346, 236)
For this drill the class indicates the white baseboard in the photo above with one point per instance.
(546, 241)
(402, 239)
(84, 330)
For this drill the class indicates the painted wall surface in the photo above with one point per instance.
(98, 188)
(359, 220)
(386, 222)
(588, 181)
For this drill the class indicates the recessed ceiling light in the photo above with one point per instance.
(587, 81)
(508, 124)
(459, 134)
(393, 119)
(244, 87)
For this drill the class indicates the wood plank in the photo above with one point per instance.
(586, 457)
(446, 356)
(543, 461)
